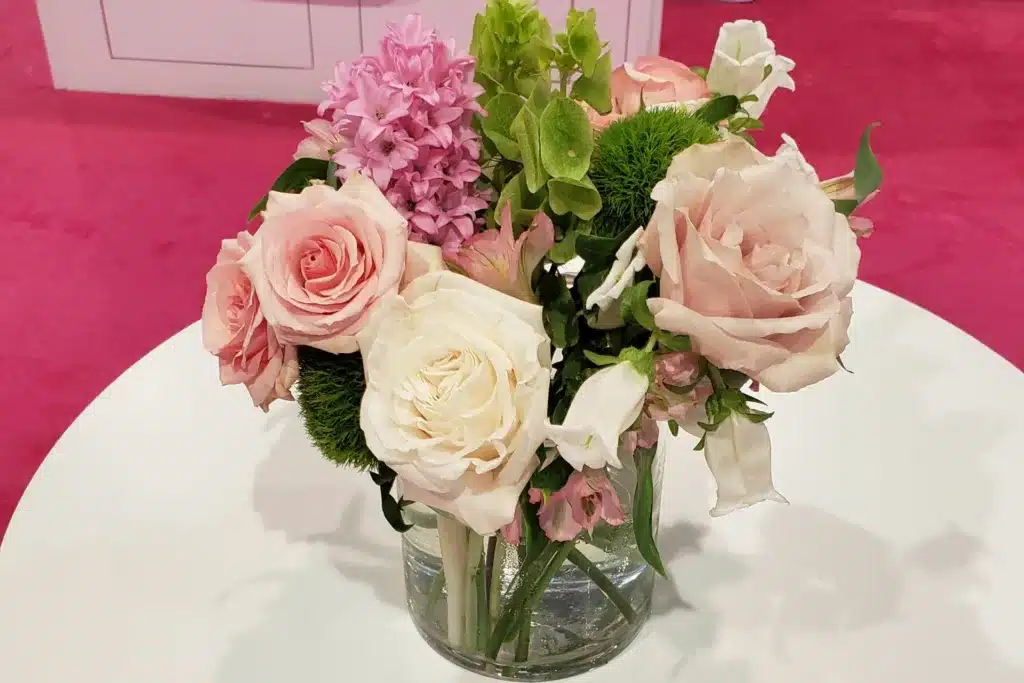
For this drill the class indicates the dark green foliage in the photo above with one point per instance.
(631, 156)
(331, 388)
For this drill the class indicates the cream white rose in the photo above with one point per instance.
(457, 378)
(754, 264)
(742, 55)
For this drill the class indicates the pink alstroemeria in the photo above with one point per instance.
(675, 390)
(513, 531)
(587, 498)
(497, 259)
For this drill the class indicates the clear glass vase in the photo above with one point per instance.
(462, 592)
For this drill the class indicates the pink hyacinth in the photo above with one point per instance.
(406, 117)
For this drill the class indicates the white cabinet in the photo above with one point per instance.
(279, 50)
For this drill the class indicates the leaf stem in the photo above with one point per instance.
(528, 585)
(716, 378)
(604, 583)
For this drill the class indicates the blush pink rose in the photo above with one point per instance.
(323, 258)
(234, 330)
(650, 82)
(587, 498)
(754, 264)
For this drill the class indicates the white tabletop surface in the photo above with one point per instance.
(177, 535)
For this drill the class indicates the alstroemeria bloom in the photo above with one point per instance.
(587, 498)
(497, 259)
(739, 455)
(323, 140)
(605, 406)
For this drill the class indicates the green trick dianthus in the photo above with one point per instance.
(331, 389)
(631, 156)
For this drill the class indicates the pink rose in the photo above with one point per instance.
(587, 498)
(497, 259)
(234, 330)
(651, 81)
(754, 264)
(323, 258)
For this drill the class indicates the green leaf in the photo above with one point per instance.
(839, 359)
(385, 477)
(643, 509)
(502, 110)
(599, 250)
(332, 174)
(293, 179)
(700, 71)
(578, 197)
(867, 174)
(634, 305)
(674, 342)
(566, 139)
(673, 427)
(702, 443)
(600, 359)
(565, 250)
(559, 309)
(584, 43)
(526, 130)
(589, 279)
(595, 89)
(719, 109)
(539, 98)
(845, 206)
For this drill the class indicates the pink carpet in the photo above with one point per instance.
(112, 207)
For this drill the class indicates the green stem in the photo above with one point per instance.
(604, 583)
(483, 622)
(563, 81)
(529, 583)
(716, 378)
(523, 642)
(497, 570)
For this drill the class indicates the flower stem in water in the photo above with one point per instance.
(604, 583)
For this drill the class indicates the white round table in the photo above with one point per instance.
(177, 535)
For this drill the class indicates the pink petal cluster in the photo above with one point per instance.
(405, 117)
(501, 261)
(672, 395)
(587, 498)
(235, 330)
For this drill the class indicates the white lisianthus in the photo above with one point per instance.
(739, 455)
(605, 406)
(457, 378)
(742, 55)
(628, 262)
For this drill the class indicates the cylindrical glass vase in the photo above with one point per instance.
(462, 592)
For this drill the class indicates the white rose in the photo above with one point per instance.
(739, 455)
(605, 406)
(457, 378)
(628, 262)
(742, 55)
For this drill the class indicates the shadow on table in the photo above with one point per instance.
(816, 598)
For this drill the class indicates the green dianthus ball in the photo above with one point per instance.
(631, 156)
(331, 388)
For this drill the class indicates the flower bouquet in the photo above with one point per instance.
(491, 274)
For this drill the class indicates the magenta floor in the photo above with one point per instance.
(111, 207)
